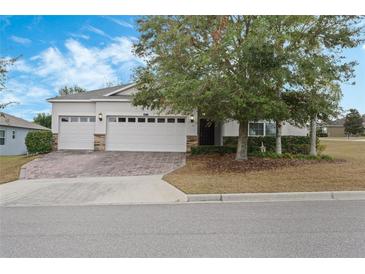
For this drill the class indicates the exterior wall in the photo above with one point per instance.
(127, 109)
(289, 129)
(76, 109)
(231, 129)
(336, 131)
(192, 127)
(14, 146)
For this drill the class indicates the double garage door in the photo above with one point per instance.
(146, 133)
(125, 133)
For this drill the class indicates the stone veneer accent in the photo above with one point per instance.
(99, 142)
(191, 141)
(54, 141)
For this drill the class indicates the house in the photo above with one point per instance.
(13, 131)
(336, 128)
(105, 119)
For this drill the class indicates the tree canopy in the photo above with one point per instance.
(239, 67)
(5, 64)
(353, 123)
(71, 90)
(43, 119)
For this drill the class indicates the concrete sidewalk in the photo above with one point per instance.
(90, 191)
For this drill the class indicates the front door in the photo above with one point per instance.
(206, 132)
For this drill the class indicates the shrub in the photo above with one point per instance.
(290, 144)
(212, 149)
(274, 155)
(39, 141)
(322, 134)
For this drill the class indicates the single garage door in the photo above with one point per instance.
(76, 132)
(146, 133)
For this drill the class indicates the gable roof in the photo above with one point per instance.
(96, 95)
(12, 121)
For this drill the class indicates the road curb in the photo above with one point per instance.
(282, 196)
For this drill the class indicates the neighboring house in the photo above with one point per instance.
(105, 119)
(13, 131)
(336, 128)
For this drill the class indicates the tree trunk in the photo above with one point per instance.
(278, 148)
(242, 141)
(313, 136)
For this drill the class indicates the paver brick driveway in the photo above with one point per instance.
(70, 164)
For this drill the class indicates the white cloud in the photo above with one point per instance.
(88, 67)
(363, 46)
(120, 22)
(21, 66)
(37, 92)
(97, 31)
(82, 36)
(20, 40)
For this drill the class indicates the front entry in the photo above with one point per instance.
(206, 132)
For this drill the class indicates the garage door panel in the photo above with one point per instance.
(127, 136)
(76, 135)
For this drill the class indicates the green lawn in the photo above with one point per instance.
(10, 167)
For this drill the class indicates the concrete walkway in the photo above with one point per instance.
(89, 191)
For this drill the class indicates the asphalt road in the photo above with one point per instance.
(277, 229)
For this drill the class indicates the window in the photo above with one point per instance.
(121, 119)
(112, 119)
(83, 119)
(160, 120)
(131, 120)
(151, 120)
(270, 129)
(64, 119)
(2, 137)
(181, 120)
(171, 120)
(13, 134)
(74, 119)
(141, 120)
(92, 119)
(256, 129)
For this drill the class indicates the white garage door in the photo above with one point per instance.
(76, 132)
(146, 133)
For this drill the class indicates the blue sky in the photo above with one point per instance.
(89, 51)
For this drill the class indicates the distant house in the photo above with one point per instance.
(336, 128)
(13, 131)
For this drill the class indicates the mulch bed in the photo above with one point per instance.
(227, 163)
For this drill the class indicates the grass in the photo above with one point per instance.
(349, 175)
(10, 167)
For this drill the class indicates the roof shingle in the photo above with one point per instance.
(12, 121)
(93, 94)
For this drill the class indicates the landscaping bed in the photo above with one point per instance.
(214, 163)
(221, 174)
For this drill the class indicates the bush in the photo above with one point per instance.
(39, 141)
(212, 149)
(322, 134)
(290, 144)
(274, 155)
